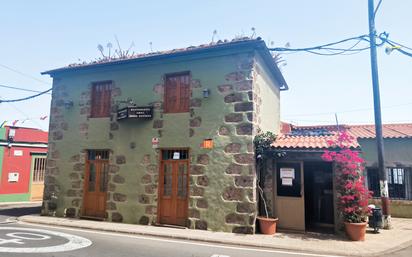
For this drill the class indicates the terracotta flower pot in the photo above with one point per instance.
(267, 225)
(356, 231)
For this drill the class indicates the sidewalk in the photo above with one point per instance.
(375, 244)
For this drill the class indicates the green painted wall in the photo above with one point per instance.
(14, 197)
(72, 132)
(398, 151)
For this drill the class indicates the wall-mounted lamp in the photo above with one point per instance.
(206, 93)
(68, 104)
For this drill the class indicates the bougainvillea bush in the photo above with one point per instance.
(353, 196)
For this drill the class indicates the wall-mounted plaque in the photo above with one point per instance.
(135, 112)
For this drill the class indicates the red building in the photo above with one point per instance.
(22, 163)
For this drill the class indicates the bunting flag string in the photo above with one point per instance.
(14, 122)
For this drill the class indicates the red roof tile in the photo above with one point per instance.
(316, 137)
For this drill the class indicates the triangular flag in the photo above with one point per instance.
(15, 122)
(3, 123)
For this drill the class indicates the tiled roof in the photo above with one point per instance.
(316, 137)
(255, 43)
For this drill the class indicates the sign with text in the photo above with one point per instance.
(135, 112)
(287, 173)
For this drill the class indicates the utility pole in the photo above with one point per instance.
(383, 176)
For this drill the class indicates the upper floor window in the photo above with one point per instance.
(101, 99)
(177, 93)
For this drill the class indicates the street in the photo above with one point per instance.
(35, 240)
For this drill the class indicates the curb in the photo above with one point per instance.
(330, 253)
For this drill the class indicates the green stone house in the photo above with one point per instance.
(162, 138)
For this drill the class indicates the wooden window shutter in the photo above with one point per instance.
(101, 99)
(177, 93)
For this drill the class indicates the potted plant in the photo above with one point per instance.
(262, 143)
(352, 194)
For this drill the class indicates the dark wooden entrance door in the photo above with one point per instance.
(173, 188)
(95, 187)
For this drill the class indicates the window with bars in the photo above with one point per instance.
(177, 93)
(39, 169)
(396, 182)
(101, 99)
(177, 154)
(97, 155)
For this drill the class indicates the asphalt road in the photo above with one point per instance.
(27, 240)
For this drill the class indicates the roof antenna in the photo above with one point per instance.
(151, 46)
(254, 32)
(109, 46)
(101, 50)
(214, 34)
(337, 123)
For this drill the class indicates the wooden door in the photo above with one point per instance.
(95, 188)
(173, 192)
(289, 196)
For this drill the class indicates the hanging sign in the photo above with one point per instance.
(134, 112)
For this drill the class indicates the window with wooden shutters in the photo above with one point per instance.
(177, 93)
(101, 99)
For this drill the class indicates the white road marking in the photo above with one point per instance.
(37, 236)
(75, 242)
(218, 255)
(183, 241)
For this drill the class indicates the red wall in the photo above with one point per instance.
(20, 164)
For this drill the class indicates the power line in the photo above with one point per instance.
(24, 74)
(21, 89)
(332, 47)
(25, 98)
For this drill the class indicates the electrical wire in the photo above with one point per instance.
(376, 9)
(333, 50)
(21, 89)
(24, 74)
(25, 98)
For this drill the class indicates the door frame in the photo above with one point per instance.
(160, 185)
(302, 192)
(85, 183)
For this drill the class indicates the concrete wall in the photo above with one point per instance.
(399, 208)
(267, 98)
(222, 180)
(398, 152)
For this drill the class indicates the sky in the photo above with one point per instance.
(40, 35)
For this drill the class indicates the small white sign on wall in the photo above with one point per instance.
(287, 182)
(13, 177)
(18, 152)
(176, 156)
(287, 173)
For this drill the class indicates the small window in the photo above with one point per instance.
(98, 155)
(178, 154)
(101, 99)
(39, 169)
(177, 93)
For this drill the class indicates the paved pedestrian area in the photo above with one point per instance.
(375, 245)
